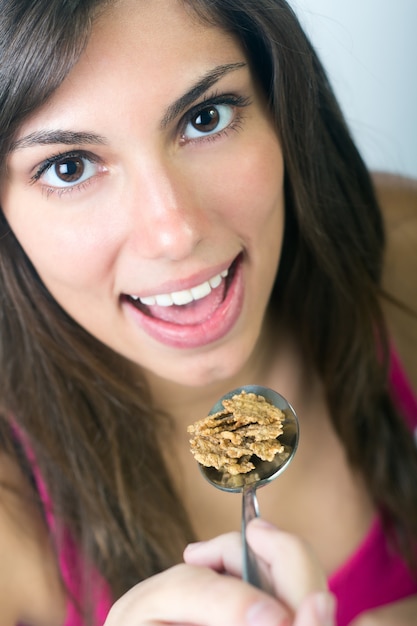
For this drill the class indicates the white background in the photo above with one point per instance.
(369, 49)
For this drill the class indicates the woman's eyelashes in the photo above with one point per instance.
(213, 117)
(66, 171)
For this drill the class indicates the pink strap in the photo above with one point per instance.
(70, 560)
(373, 576)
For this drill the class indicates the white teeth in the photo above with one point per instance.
(186, 296)
(164, 300)
(182, 297)
(201, 291)
(148, 301)
(215, 282)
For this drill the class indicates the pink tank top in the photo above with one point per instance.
(372, 576)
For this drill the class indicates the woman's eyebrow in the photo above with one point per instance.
(48, 137)
(197, 90)
(67, 137)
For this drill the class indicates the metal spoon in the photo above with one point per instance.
(263, 473)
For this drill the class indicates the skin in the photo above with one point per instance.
(245, 604)
(148, 221)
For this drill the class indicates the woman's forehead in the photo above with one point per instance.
(173, 21)
(155, 50)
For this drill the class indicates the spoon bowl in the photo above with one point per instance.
(264, 471)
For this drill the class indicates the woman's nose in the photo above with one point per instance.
(166, 219)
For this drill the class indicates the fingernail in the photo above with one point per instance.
(325, 607)
(194, 546)
(266, 613)
(262, 523)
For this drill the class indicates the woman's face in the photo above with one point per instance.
(148, 193)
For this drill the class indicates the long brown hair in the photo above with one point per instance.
(89, 421)
(328, 286)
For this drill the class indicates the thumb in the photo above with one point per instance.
(317, 609)
(294, 570)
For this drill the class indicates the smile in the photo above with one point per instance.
(185, 296)
(193, 317)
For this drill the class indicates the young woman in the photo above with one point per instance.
(183, 212)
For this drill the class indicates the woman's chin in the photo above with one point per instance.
(223, 365)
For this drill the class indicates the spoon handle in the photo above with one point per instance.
(251, 566)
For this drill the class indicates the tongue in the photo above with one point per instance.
(189, 314)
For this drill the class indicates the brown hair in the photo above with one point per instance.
(328, 285)
(91, 424)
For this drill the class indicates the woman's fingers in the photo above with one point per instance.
(222, 554)
(207, 590)
(199, 596)
(294, 570)
(317, 609)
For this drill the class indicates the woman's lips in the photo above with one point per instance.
(197, 323)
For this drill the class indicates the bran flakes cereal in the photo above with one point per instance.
(248, 425)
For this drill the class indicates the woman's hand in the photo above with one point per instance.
(207, 589)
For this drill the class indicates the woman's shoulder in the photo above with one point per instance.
(397, 195)
(398, 200)
(30, 590)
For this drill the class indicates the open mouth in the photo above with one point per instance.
(193, 317)
(190, 306)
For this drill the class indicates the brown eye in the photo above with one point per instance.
(70, 170)
(207, 120)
